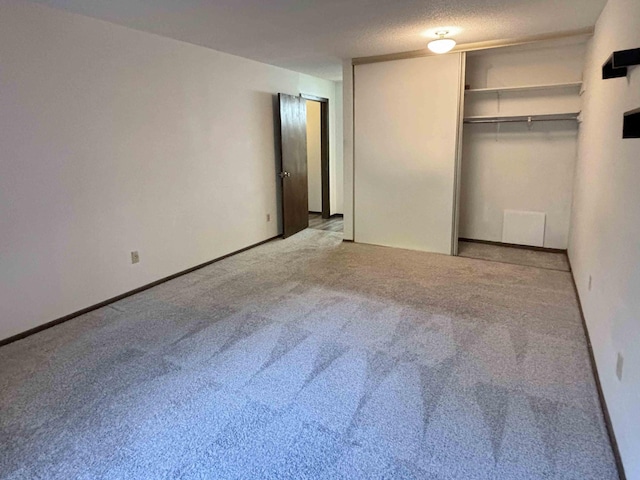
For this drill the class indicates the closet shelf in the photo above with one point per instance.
(551, 117)
(550, 86)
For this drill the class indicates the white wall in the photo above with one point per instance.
(406, 137)
(558, 61)
(314, 156)
(115, 140)
(338, 191)
(605, 226)
(347, 147)
(517, 169)
(513, 166)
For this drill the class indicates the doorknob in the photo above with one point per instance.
(284, 174)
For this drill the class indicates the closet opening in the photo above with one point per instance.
(519, 149)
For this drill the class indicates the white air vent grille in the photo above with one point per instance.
(523, 228)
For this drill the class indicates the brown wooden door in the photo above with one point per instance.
(293, 138)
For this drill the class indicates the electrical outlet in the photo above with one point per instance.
(135, 257)
(619, 366)
(268, 217)
(590, 282)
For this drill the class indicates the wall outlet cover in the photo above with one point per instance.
(135, 257)
(619, 366)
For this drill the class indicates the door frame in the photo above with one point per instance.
(324, 152)
(455, 232)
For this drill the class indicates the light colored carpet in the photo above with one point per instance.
(514, 255)
(312, 358)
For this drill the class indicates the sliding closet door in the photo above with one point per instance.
(406, 138)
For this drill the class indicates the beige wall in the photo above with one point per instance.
(116, 140)
(314, 156)
(347, 149)
(605, 226)
(338, 171)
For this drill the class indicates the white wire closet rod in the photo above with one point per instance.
(554, 117)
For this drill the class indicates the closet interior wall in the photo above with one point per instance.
(517, 176)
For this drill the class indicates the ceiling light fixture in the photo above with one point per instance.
(441, 45)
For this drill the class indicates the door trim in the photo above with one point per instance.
(455, 231)
(325, 173)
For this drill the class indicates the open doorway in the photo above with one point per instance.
(318, 173)
(293, 136)
(318, 166)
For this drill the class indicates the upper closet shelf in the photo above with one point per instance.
(550, 86)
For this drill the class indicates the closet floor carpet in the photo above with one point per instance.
(515, 255)
(313, 358)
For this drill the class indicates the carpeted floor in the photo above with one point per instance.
(515, 255)
(312, 358)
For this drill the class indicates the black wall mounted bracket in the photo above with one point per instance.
(631, 126)
(617, 64)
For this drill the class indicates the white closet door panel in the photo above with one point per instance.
(406, 130)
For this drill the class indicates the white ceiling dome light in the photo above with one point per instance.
(441, 45)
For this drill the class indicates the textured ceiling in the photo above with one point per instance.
(314, 36)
